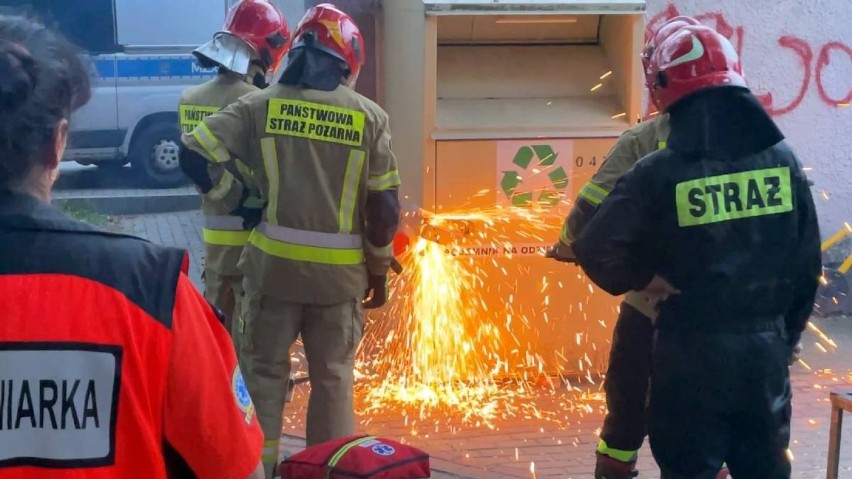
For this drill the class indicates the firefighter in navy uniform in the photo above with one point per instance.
(112, 365)
(324, 155)
(719, 231)
(629, 369)
(252, 43)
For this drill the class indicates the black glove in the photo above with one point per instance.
(377, 292)
(250, 210)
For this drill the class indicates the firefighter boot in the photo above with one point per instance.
(610, 468)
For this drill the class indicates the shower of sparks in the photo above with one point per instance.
(442, 346)
(447, 354)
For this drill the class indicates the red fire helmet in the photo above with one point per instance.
(692, 59)
(335, 33)
(263, 27)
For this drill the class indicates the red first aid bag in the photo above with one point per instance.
(358, 457)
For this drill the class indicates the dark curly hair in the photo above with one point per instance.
(43, 79)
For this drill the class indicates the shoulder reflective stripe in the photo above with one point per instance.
(734, 196)
(315, 121)
(270, 164)
(207, 141)
(593, 193)
(192, 115)
(310, 238)
(346, 448)
(661, 145)
(384, 182)
(225, 238)
(225, 183)
(308, 254)
(354, 166)
(225, 223)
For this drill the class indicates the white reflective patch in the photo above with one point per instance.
(58, 404)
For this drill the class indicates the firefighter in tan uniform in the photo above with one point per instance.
(323, 157)
(253, 41)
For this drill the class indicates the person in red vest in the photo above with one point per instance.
(112, 365)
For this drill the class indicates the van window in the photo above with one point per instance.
(88, 23)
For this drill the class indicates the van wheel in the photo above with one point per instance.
(154, 153)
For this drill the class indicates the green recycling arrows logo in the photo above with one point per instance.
(544, 157)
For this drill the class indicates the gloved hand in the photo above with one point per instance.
(659, 290)
(377, 292)
(795, 352)
(561, 252)
(251, 211)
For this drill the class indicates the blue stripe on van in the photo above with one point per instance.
(151, 68)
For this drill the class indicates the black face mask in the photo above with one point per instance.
(310, 67)
(259, 80)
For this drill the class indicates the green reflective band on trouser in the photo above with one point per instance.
(593, 193)
(225, 183)
(346, 448)
(661, 145)
(308, 246)
(345, 215)
(617, 454)
(211, 145)
(192, 115)
(270, 452)
(734, 196)
(384, 182)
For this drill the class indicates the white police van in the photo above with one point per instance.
(141, 52)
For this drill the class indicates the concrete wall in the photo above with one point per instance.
(798, 55)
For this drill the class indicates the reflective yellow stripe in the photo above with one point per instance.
(384, 182)
(270, 452)
(617, 454)
(348, 446)
(350, 190)
(270, 162)
(846, 265)
(563, 235)
(225, 238)
(593, 193)
(224, 186)
(207, 141)
(661, 145)
(309, 254)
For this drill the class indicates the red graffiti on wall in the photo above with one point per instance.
(803, 52)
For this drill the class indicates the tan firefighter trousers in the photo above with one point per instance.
(330, 333)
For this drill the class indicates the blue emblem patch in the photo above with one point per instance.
(383, 450)
(242, 396)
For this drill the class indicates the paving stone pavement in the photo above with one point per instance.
(558, 450)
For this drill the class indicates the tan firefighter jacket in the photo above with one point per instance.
(633, 145)
(316, 155)
(224, 236)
